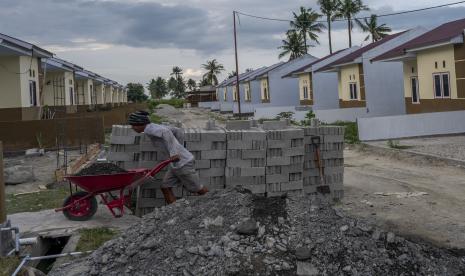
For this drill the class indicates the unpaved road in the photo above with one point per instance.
(438, 217)
(190, 117)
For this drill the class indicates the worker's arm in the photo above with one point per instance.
(170, 143)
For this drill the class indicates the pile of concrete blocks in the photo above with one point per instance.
(246, 159)
(209, 149)
(329, 140)
(124, 147)
(284, 161)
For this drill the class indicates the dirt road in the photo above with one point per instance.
(190, 117)
(438, 216)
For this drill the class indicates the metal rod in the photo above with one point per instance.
(237, 67)
(2, 188)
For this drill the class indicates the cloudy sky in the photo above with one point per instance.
(135, 40)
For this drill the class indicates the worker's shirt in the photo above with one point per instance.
(172, 144)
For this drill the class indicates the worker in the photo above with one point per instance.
(181, 172)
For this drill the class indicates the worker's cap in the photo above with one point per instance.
(139, 118)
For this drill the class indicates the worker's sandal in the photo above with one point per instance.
(168, 194)
(203, 191)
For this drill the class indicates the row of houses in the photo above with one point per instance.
(31, 77)
(412, 72)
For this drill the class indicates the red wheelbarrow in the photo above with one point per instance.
(82, 205)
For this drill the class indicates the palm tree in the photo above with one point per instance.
(371, 26)
(329, 8)
(306, 24)
(176, 71)
(347, 10)
(191, 84)
(213, 68)
(294, 45)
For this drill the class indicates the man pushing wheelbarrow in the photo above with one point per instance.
(181, 172)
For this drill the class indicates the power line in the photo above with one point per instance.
(366, 17)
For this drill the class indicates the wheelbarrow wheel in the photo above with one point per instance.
(83, 210)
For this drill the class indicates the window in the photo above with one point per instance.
(413, 70)
(305, 93)
(71, 96)
(415, 92)
(441, 85)
(234, 94)
(32, 93)
(33, 73)
(443, 64)
(436, 65)
(248, 97)
(225, 94)
(353, 91)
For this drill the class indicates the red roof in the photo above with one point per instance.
(303, 68)
(443, 33)
(358, 53)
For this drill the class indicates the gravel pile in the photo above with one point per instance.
(100, 168)
(232, 232)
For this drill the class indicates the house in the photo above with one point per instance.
(276, 92)
(319, 89)
(202, 97)
(84, 85)
(246, 88)
(228, 93)
(59, 88)
(108, 88)
(99, 87)
(20, 77)
(371, 88)
(433, 69)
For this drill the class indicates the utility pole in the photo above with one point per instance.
(237, 67)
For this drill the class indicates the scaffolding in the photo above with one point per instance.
(59, 96)
(80, 93)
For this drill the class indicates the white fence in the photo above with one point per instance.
(340, 114)
(414, 125)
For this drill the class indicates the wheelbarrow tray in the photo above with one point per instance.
(96, 184)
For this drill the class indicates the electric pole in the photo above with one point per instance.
(237, 68)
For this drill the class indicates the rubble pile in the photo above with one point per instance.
(233, 232)
(100, 168)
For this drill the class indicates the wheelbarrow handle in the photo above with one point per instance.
(153, 171)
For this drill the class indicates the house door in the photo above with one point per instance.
(32, 93)
(415, 92)
(71, 96)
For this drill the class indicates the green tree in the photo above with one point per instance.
(179, 91)
(176, 72)
(348, 10)
(172, 84)
(294, 45)
(329, 8)
(191, 85)
(157, 88)
(136, 92)
(204, 82)
(371, 26)
(232, 74)
(306, 24)
(213, 69)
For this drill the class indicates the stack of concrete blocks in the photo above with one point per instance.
(331, 146)
(284, 159)
(246, 159)
(124, 147)
(209, 149)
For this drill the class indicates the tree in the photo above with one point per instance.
(157, 88)
(330, 9)
(306, 24)
(136, 92)
(232, 74)
(179, 91)
(347, 10)
(191, 84)
(176, 72)
(371, 26)
(213, 68)
(204, 82)
(294, 45)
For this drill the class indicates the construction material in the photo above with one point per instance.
(100, 168)
(230, 232)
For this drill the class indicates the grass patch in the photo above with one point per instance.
(350, 132)
(157, 119)
(8, 265)
(43, 200)
(396, 145)
(177, 103)
(92, 239)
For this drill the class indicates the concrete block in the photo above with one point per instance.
(274, 152)
(238, 163)
(236, 172)
(217, 163)
(235, 154)
(310, 172)
(202, 164)
(218, 181)
(248, 180)
(205, 181)
(273, 170)
(218, 145)
(213, 135)
(334, 170)
(128, 165)
(309, 189)
(272, 125)
(292, 186)
(310, 131)
(297, 143)
(255, 188)
(122, 156)
(191, 135)
(198, 146)
(211, 172)
(252, 154)
(336, 154)
(258, 162)
(334, 139)
(259, 144)
(278, 144)
(278, 161)
(253, 135)
(277, 178)
(239, 144)
(122, 140)
(293, 168)
(299, 159)
(119, 148)
(131, 148)
(238, 125)
(294, 151)
(233, 135)
(295, 176)
(197, 155)
(213, 154)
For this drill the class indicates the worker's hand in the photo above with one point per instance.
(175, 158)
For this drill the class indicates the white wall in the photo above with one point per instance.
(403, 126)
(272, 111)
(340, 114)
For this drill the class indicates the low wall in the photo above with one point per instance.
(272, 111)
(206, 104)
(246, 108)
(404, 126)
(21, 135)
(340, 114)
(226, 107)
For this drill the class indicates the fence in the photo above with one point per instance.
(341, 114)
(72, 132)
(414, 125)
